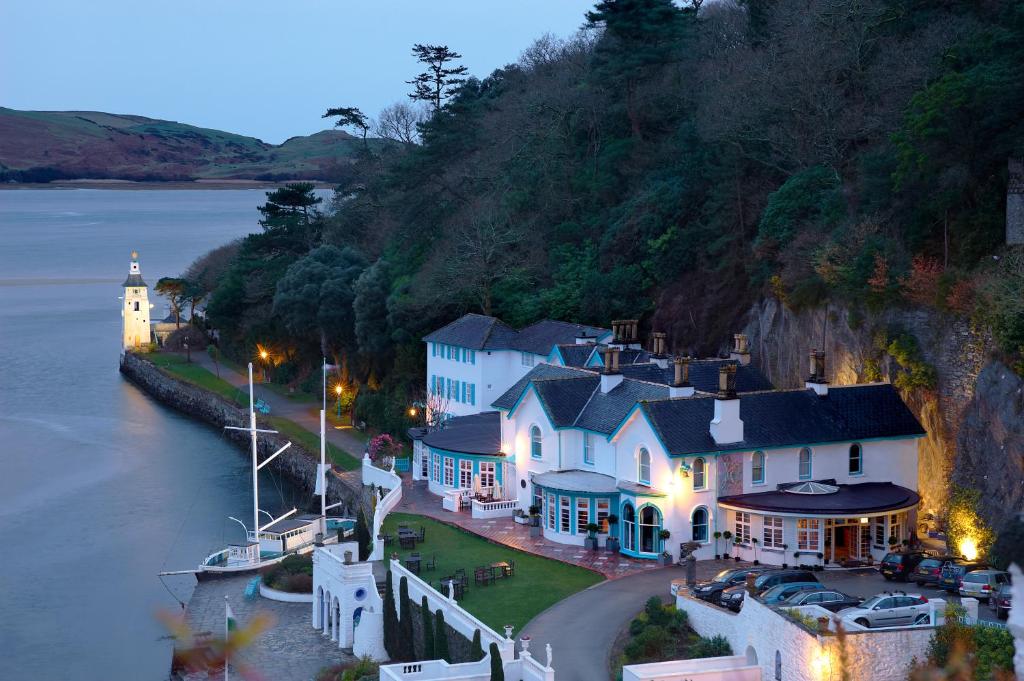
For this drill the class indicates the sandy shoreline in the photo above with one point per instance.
(128, 184)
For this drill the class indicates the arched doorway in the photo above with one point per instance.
(356, 615)
(336, 617)
(751, 655)
(629, 527)
(318, 623)
(650, 526)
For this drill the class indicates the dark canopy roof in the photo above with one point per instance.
(474, 434)
(865, 497)
(787, 418)
(480, 332)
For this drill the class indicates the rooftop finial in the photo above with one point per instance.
(135, 255)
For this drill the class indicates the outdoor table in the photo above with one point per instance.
(413, 562)
(502, 566)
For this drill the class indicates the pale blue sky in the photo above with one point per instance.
(257, 67)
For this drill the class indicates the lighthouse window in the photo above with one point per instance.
(136, 306)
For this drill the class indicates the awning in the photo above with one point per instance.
(576, 481)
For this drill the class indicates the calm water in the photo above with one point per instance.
(101, 488)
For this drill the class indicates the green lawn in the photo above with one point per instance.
(538, 583)
(311, 441)
(195, 374)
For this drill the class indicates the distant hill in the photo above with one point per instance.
(42, 146)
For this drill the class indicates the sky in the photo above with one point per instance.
(266, 68)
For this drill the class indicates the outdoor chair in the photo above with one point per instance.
(422, 536)
(386, 538)
(510, 571)
(483, 576)
(406, 541)
(432, 563)
(460, 575)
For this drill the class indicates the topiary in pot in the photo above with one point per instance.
(591, 541)
(612, 543)
(717, 535)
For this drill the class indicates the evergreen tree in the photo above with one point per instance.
(428, 631)
(476, 651)
(363, 537)
(441, 80)
(441, 638)
(390, 618)
(350, 117)
(290, 219)
(406, 637)
(497, 670)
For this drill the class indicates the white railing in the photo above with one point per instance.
(732, 667)
(438, 669)
(382, 477)
(494, 509)
(390, 481)
(454, 615)
(451, 499)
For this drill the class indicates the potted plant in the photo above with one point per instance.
(612, 542)
(893, 541)
(785, 547)
(591, 541)
(717, 535)
(665, 558)
(736, 543)
(521, 517)
(754, 542)
(819, 568)
(535, 529)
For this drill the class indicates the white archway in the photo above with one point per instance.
(751, 655)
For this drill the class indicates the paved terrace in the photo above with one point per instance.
(416, 499)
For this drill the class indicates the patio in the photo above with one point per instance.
(504, 530)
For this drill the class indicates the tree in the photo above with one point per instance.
(441, 637)
(400, 123)
(350, 117)
(483, 255)
(173, 289)
(1009, 545)
(390, 618)
(428, 631)
(476, 651)
(363, 535)
(290, 219)
(214, 352)
(497, 669)
(406, 637)
(370, 308)
(442, 78)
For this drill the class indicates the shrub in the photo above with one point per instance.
(637, 625)
(299, 584)
(657, 613)
(650, 643)
(497, 670)
(716, 646)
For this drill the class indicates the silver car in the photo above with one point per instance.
(981, 584)
(890, 610)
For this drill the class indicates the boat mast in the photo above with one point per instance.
(255, 474)
(323, 466)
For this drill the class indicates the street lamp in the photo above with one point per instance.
(337, 391)
(412, 412)
(265, 360)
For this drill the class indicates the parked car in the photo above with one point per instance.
(712, 590)
(826, 598)
(929, 570)
(732, 597)
(890, 610)
(1001, 601)
(899, 565)
(781, 592)
(953, 571)
(981, 584)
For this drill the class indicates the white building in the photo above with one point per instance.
(809, 476)
(135, 327)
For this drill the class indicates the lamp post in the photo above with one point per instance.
(337, 391)
(264, 356)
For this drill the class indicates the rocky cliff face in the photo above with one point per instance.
(781, 340)
(296, 462)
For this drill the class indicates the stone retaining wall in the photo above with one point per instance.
(297, 463)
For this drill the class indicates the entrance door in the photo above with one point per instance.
(843, 545)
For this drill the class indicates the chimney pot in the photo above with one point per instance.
(817, 380)
(726, 425)
(740, 349)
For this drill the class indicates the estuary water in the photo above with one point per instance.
(101, 487)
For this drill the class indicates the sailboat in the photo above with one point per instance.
(285, 535)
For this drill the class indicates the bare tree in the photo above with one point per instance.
(399, 123)
(436, 409)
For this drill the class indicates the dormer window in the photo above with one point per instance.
(644, 467)
(805, 463)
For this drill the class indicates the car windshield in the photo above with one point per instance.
(872, 602)
(722, 576)
(930, 562)
(977, 579)
(892, 558)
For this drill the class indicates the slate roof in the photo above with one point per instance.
(133, 280)
(787, 418)
(865, 497)
(473, 434)
(511, 396)
(481, 332)
(575, 355)
(703, 375)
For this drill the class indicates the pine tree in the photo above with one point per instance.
(477, 651)
(441, 638)
(428, 631)
(390, 623)
(406, 637)
(497, 669)
(441, 80)
(363, 536)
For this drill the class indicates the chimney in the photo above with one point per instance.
(726, 425)
(740, 349)
(610, 377)
(632, 336)
(658, 349)
(681, 384)
(617, 332)
(816, 381)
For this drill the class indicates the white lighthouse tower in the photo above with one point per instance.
(135, 329)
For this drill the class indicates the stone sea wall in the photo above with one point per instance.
(297, 463)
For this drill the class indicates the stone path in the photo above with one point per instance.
(291, 650)
(417, 499)
(582, 628)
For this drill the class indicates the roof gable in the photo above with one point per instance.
(482, 332)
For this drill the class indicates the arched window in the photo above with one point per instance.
(778, 666)
(644, 473)
(805, 463)
(699, 474)
(650, 526)
(535, 442)
(757, 468)
(856, 459)
(699, 523)
(628, 527)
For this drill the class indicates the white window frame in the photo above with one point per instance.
(564, 514)
(758, 456)
(860, 459)
(742, 527)
(700, 474)
(527, 359)
(808, 534)
(640, 465)
(437, 468)
(603, 508)
(706, 525)
(771, 532)
(582, 514)
(536, 442)
(487, 474)
(449, 471)
(551, 509)
(466, 473)
(800, 463)
(588, 449)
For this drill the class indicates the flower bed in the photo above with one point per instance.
(294, 575)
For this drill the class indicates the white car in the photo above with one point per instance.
(890, 610)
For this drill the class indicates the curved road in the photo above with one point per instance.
(582, 628)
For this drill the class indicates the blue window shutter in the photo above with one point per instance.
(433, 382)
(472, 393)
